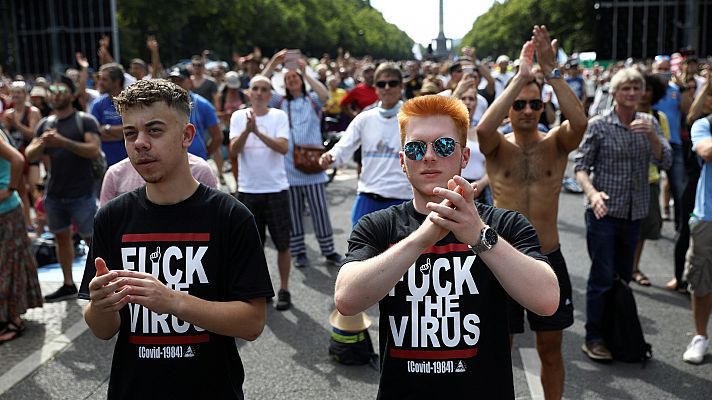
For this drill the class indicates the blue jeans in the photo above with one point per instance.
(611, 244)
(366, 205)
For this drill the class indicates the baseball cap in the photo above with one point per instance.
(179, 72)
(232, 80)
(503, 58)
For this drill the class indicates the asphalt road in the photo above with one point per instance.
(290, 360)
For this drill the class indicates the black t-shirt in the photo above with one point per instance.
(206, 245)
(70, 175)
(443, 328)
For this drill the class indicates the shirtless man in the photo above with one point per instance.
(535, 162)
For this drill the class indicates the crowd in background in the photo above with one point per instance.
(335, 90)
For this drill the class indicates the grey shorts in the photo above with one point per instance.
(63, 212)
(698, 261)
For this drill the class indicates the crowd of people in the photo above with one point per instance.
(458, 161)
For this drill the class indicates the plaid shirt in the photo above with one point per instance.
(617, 159)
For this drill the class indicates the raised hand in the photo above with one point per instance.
(81, 60)
(545, 48)
(526, 60)
(152, 43)
(105, 41)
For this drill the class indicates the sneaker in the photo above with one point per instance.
(301, 261)
(66, 292)
(334, 259)
(596, 351)
(284, 300)
(696, 350)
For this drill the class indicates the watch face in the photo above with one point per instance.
(491, 236)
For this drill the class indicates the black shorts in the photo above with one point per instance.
(564, 315)
(271, 210)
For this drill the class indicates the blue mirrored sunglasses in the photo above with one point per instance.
(443, 147)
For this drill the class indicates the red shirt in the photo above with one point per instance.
(362, 95)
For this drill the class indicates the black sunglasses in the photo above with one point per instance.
(535, 104)
(444, 147)
(391, 83)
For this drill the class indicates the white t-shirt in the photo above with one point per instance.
(261, 169)
(379, 139)
(475, 168)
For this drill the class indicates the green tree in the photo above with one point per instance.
(505, 26)
(185, 27)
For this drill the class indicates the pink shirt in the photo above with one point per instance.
(121, 177)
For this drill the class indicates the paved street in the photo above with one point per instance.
(58, 358)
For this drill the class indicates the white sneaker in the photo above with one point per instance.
(696, 350)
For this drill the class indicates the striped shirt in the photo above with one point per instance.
(617, 160)
(304, 129)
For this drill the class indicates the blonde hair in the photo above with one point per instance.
(432, 105)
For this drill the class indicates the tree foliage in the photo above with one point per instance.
(186, 27)
(508, 24)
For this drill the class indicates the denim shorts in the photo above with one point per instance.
(63, 212)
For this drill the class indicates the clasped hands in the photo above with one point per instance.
(110, 291)
(456, 213)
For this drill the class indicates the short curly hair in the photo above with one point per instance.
(432, 105)
(145, 92)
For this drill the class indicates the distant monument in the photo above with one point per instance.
(442, 44)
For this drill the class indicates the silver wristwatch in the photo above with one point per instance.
(488, 238)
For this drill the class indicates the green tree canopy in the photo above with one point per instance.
(187, 27)
(507, 25)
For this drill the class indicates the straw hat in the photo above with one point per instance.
(356, 323)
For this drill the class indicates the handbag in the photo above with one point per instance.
(306, 158)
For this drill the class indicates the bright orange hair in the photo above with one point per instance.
(431, 105)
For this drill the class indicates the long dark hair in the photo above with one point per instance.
(289, 95)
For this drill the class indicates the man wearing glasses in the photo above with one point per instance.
(71, 143)
(259, 135)
(440, 268)
(381, 183)
(526, 169)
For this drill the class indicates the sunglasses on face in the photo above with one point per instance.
(443, 147)
(392, 83)
(535, 104)
(58, 89)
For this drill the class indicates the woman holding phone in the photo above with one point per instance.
(303, 108)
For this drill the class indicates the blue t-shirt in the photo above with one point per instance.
(670, 105)
(104, 111)
(577, 86)
(203, 116)
(703, 198)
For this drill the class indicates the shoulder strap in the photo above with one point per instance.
(78, 118)
(656, 114)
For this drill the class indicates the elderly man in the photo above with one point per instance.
(618, 145)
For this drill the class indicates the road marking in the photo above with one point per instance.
(41, 356)
(530, 361)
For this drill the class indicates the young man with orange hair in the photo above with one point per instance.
(441, 266)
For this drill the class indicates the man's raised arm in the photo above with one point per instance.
(571, 131)
(487, 133)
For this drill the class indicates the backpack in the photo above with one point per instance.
(44, 250)
(621, 327)
(98, 164)
(352, 348)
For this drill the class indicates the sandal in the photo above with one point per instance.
(13, 329)
(641, 279)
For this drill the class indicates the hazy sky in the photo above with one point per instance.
(420, 18)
